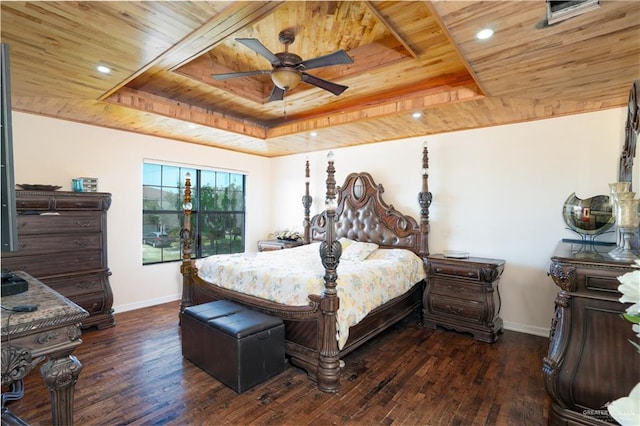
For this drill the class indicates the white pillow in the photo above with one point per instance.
(345, 242)
(358, 251)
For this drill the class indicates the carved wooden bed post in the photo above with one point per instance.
(186, 238)
(328, 373)
(306, 202)
(424, 198)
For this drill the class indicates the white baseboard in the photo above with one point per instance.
(512, 326)
(529, 329)
(146, 303)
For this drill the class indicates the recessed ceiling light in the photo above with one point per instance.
(484, 34)
(103, 69)
(313, 134)
(416, 115)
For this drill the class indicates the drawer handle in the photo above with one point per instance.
(82, 243)
(471, 274)
(84, 224)
(438, 270)
(455, 289)
(86, 284)
(453, 310)
(46, 338)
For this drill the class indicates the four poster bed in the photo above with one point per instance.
(331, 306)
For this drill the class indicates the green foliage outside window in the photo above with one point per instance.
(217, 215)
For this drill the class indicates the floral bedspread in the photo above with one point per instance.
(289, 276)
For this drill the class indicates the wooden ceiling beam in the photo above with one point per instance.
(418, 101)
(149, 103)
(453, 42)
(236, 16)
(387, 23)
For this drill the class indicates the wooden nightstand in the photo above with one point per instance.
(462, 294)
(269, 245)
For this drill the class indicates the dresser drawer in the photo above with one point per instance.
(92, 303)
(40, 266)
(75, 285)
(454, 288)
(77, 203)
(450, 306)
(40, 244)
(62, 223)
(600, 282)
(33, 204)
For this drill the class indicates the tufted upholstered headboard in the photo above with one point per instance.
(363, 215)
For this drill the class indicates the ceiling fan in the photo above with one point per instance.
(289, 69)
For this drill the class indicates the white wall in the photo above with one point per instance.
(50, 151)
(498, 192)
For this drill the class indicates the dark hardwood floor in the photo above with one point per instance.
(134, 373)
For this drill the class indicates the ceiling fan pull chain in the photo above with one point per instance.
(284, 101)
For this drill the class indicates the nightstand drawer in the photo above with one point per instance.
(463, 271)
(454, 288)
(455, 307)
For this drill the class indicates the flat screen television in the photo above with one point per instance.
(9, 230)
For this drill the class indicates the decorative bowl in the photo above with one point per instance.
(590, 216)
(37, 187)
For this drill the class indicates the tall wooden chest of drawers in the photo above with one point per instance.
(62, 241)
(462, 294)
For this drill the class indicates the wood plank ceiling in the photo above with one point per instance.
(408, 56)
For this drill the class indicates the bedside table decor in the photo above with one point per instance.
(287, 235)
(270, 245)
(462, 294)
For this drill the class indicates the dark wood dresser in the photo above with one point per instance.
(462, 294)
(590, 360)
(62, 240)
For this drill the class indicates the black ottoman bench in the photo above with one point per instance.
(236, 345)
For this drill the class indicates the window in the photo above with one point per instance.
(217, 217)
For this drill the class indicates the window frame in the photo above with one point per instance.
(222, 191)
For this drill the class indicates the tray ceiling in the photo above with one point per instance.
(408, 56)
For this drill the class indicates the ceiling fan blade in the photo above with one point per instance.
(277, 94)
(255, 45)
(336, 58)
(334, 88)
(240, 74)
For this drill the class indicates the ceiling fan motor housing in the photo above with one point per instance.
(287, 75)
(287, 58)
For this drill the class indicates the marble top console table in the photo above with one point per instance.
(50, 332)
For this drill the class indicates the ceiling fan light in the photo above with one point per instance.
(286, 78)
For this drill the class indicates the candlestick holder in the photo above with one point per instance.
(627, 220)
(616, 190)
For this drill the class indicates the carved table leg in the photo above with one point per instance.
(60, 375)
